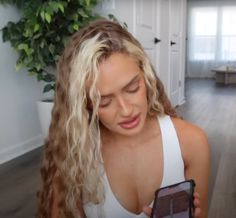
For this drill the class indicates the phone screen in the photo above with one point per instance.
(175, 201)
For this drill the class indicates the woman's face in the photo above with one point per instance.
(123, 106)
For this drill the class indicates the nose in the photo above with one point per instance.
(125, 106)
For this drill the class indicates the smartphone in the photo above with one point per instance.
(174, 201)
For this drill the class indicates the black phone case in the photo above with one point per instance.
(191, 205)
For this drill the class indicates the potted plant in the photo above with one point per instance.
(40, 36)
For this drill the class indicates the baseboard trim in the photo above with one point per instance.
(19, 149)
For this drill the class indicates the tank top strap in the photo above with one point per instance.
(173, 171)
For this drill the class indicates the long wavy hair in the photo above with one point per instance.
(72, 160)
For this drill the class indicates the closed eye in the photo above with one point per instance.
(134, 87)
(105, 101)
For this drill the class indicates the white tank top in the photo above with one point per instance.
(173, 172)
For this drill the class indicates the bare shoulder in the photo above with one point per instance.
(189, 132)
(193, 139)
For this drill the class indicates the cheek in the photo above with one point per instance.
(106, 116)
(143, 94)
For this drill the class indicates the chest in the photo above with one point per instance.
(133, 175)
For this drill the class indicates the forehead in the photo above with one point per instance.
(115, 72)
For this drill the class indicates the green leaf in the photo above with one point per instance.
(5, 34)
(27, 33)
(61, 7)
(29, 51)
(50, 9)
(23, 46)
(125, 25)
(42, 43)
(75, 26)
(32, 73)
(18, 66)
(87, 2)
(75, 17)
(38, 66)
(36, 27)
(112, 17)
(47, 88)
(56, 57)
(70, 29)
(30, 60)
(53, 7)
(51, 48)
(39, 77)
(37, 36)
(42, 14)
(58, 38)
(65, 40)
(48, 78)
(48, 17)
(82, 13)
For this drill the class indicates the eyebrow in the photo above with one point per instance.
(126, 86)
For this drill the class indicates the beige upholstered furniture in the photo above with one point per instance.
(225, 75)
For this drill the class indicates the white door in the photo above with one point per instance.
(161, 20)
(146, 28)
(175, 51)
(164, 63)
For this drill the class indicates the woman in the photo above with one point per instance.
(114, 137)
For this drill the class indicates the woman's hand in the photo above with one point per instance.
(197, 212)
(196, 202)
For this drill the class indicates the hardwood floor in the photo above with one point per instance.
(211, 107)
(19, 182)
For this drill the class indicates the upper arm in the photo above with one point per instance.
(197, 168)
(196, 154)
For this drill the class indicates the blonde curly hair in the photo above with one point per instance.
(72, 160)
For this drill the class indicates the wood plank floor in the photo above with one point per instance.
(211, 107)
(19, 182)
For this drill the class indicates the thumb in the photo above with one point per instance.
(147, 210)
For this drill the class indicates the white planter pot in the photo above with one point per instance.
(44, 111)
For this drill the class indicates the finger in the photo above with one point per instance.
(196, 195)
(196, 202)
(197, 212)
(147, 210)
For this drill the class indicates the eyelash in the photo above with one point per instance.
(129, 91)
(105, 105)
(133, 90)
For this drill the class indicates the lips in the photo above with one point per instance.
(130, 123)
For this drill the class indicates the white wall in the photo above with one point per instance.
(19, 125)
(122, 9)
